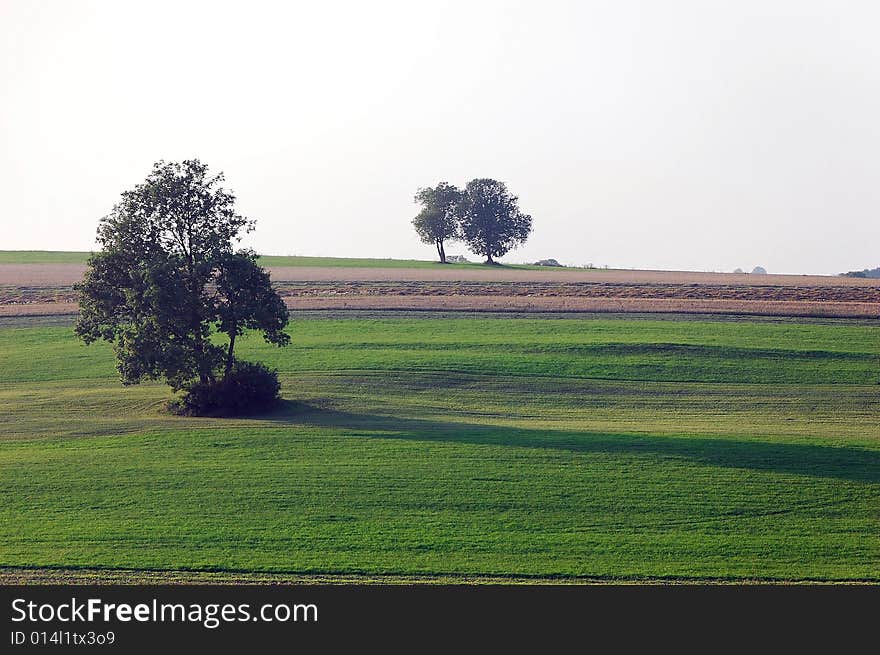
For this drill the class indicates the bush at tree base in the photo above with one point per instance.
(248, 388)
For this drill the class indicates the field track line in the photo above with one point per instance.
(10, 575)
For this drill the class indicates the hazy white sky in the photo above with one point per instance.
(683, 135)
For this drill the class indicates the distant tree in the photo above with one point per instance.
(866, 273)
(167, 276)
(491, 221)
(438, 220)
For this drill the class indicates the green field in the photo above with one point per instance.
(42, 257)
(594, 448)
(60, 257)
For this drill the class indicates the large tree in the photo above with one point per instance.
(438, 220)
(491, 221)
(167, 276)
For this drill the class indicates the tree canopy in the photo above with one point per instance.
(438, 221)
(490, 219)
(167, 276)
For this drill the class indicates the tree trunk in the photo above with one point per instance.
(441, 251)
(489, 259)
(186, 243)
(229, 358)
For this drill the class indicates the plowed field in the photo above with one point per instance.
(27, 289)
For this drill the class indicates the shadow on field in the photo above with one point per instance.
(842, 463)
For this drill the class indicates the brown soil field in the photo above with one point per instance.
(581, 290)
(39, 309)
(68, 274)
(476, 303)
(40, 275)
(612, 305)
(37, 290)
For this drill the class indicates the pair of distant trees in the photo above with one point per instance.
(485, 215)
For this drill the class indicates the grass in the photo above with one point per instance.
(465, 449)
(58, 257)
(42, 257)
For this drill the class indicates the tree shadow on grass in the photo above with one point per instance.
(843, 463)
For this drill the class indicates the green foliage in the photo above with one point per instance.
(438, 221)
(709, 449)
(491, 221)
(485, 215)
(165, 248)
(244, 389)
(246, 301)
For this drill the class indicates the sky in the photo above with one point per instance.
(684, 135)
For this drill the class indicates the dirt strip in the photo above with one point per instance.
(68, 274)
(84, 576)
(568, 290)
(538, 304)
(39, 309)
(575, 304)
